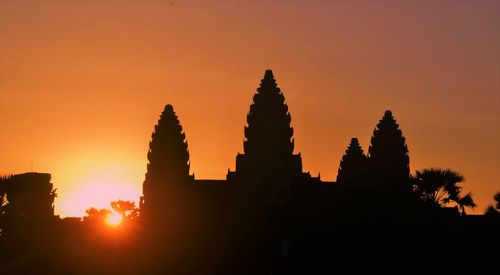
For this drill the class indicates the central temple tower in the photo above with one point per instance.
(268, 168)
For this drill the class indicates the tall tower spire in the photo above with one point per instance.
(268, 132)
(388, 153)
(268, 167)
(168, 164)
(353, 166)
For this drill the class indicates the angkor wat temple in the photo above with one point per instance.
(270, 216)
(269, 208)
(267, 217)
(268, 172)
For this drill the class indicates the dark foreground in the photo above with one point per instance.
(270, 240)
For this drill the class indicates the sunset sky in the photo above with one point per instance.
(82, 84)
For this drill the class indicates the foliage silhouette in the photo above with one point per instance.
(126, 209)
(494, 210)
(97, 215)
(438, 187)
(465, 201)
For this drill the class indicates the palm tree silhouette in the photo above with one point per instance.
(494, 210)
(465, 201)
(438, 187)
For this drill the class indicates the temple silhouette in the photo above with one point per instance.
(268, 173)
(268, 216)
(268, 209)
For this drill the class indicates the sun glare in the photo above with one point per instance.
(96, 187)
(114, 219)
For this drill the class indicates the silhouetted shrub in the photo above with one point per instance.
(438, 187)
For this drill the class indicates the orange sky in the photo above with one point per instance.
(82, 84)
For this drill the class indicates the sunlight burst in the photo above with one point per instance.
(114, 219)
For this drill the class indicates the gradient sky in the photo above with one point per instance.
(82, 84)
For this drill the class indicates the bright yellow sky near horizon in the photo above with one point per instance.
(82, 84)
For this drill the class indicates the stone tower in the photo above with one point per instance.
(268, 168)
(167, 175)
(388, 154)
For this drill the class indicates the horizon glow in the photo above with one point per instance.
(82, 84)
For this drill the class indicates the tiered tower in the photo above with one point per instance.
(268, 168)
(353, 166)
(388, 154)
(167, 175)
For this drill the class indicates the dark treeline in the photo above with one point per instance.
(266, 217)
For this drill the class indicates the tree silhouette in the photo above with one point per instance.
(168, 167)
(494, 210)
(388, 154)
(97, 215)
(438, 187)
(353, 164)
(465, 201)
(126, 209)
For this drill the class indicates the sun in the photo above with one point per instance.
(114, 219)
(96, 179)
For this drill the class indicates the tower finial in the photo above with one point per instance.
(268, 74)
(169, 108)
